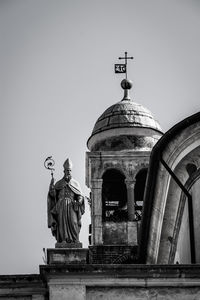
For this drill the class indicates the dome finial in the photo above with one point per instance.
(125, 65)
(126, 85)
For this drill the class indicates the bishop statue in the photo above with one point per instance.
(65, 208)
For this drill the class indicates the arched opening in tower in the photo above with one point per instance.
(139, 192)
(114, 197)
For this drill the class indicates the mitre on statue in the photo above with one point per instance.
(68, 164)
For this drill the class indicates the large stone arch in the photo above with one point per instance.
(175, 201)
(163, 197)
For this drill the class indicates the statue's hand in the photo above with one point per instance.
(54, 228)
(54, 225)
(80, 199)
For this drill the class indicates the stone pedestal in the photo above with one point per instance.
(67, 256)
(60, 258)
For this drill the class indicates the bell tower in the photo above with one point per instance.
(116, 170)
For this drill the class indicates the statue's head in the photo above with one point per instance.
(68, 169)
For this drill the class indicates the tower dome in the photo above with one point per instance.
(125, 125)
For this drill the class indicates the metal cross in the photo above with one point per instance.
(126, 58)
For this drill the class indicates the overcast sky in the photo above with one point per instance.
(56, 78)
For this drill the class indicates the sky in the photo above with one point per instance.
(57, 77)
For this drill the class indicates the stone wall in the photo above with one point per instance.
(127, 282)
(22, 287)
(108, 282)
(142, 293)
(112, 254)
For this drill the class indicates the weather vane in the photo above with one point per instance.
(49, 164)
(122, 68)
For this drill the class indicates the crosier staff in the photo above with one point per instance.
(49, 163)
(51, 201)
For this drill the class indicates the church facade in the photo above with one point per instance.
(145, 230)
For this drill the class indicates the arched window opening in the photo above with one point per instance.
(114, 197)
(139, 192)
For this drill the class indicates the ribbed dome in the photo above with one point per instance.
(125, 126)
(125, 113)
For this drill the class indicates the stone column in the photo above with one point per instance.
(130, 185)
(96, 211)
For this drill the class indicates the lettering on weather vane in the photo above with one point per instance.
(122, 68)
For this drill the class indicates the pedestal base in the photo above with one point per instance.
(67, 256)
